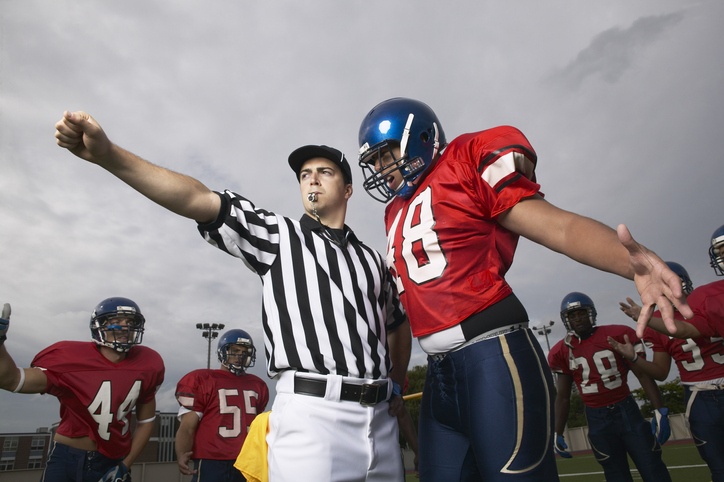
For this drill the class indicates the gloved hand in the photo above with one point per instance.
(561, 447)
(660, 425)
(119, 473)
(4, 322)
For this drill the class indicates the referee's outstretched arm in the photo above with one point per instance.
(83, 136)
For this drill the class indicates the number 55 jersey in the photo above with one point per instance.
(598, 370)
(96, 395)
(226, 405)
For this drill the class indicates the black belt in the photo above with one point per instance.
(365, 394)
(506, 312)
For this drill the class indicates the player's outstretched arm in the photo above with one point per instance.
(683, 329)
(83, 136)
(12, 378)
(657, 369)
(597, 245)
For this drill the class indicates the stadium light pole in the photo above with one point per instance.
(544, 330)
(210, 331)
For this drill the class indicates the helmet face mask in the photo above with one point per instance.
(412, 127)
(117, 323)
(236, 351)
(716, 251)
(378, 183)
(571, 306)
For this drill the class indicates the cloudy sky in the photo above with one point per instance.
(622, 101)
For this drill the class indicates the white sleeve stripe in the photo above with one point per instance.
(507, 164)
(185, 401)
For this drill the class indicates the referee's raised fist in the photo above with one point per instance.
(82, 135)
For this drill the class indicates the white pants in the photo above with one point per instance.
(324, 439)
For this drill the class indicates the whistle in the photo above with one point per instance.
(312, 197)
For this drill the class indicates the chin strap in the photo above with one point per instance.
(572, 363)
(437, 141)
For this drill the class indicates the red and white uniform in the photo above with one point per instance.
(698, 359)
(598, 370)
(96, 395)
(707, 302)
(445, 246)
(226, 405)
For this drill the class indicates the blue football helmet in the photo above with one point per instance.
(106, 329)
(686, 285)
(246, 359)
(405, 123)
(716, 251)
(577, 301)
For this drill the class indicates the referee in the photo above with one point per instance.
(330, 308)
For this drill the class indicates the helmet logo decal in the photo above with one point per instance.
(406, 135)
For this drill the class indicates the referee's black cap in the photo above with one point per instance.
(304, 153)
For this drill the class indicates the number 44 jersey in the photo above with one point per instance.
(445, 247)
(598, 370)
(226, 405)
(96, 395)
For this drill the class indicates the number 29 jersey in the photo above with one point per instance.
(96, 395)
(445, 247)
(598, 370)
(227, 405)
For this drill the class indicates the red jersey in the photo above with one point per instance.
(598, 370)
(96, 395)
(707, 302)
(445, 247)
(698, 359)
(227, 405)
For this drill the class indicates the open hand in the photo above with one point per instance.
(655, 282)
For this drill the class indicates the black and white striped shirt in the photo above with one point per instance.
(327, 306)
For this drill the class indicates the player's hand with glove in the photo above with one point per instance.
(119, 473)
(660, 425)
(561, 447)
(4, 322)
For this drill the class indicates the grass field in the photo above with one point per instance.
(682, 460)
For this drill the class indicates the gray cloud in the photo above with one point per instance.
(615, 51)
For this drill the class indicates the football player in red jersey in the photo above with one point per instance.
(217, 408)
(700, 361)
(455, 213)
(616, 427)
(98, 385)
